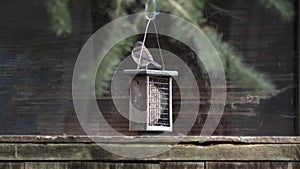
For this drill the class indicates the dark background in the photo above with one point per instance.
(36, 68)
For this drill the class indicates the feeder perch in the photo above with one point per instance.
(150, 99)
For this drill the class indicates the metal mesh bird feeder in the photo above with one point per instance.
(150, 99)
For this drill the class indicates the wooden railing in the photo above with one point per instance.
(80, 152)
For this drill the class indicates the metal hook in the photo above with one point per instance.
(150, 9)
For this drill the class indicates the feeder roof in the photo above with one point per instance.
(151, 72)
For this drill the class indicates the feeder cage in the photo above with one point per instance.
(150, 100)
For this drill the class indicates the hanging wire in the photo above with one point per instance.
(158, 44)
(145, 35)
(151, 14)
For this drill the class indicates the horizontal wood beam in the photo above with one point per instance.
(151, 139)
(180, 152)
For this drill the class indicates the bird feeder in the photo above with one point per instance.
(150, 99)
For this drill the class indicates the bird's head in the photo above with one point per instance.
(138, 43)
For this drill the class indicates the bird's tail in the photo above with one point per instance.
(156, 64)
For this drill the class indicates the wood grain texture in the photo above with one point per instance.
(37, 67)
(151, 139)
(95, 165)
(138, 103)
(84, 152)
(182, 165)
(46, 165)
(149, 165)
(14, 165)
(89, 165)
(252, 165)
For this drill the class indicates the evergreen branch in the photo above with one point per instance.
(113, 58)
(190, 10)
(118, 8)
(237, 71)
(224, 11)
(109, 63)
(284, 7)
(180, 9)
(60, 16)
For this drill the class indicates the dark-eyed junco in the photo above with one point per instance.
(146, 57)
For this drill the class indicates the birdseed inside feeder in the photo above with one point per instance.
(150, 99)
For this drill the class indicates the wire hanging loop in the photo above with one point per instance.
(150, 9)
(150, 14)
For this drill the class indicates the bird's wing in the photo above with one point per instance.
(135, 56)
(135, 53)
(147, 55)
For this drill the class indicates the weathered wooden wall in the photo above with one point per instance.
(35, 95)
(36, 69)
(163, 165)
(269, 45)
(81, 153)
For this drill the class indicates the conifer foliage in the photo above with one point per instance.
(192, 10)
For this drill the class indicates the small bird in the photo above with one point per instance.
(146, 57)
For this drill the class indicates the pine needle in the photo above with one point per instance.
(284, 7)
(60, 16)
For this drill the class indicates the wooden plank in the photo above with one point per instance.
(8, 151)
(151, 139)
(294, 165)
(182, 165)
(181, 152)
(46, 165)
(252, 165)
(88, 165)
(14, 165)
(102, 165)
(138, 103)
